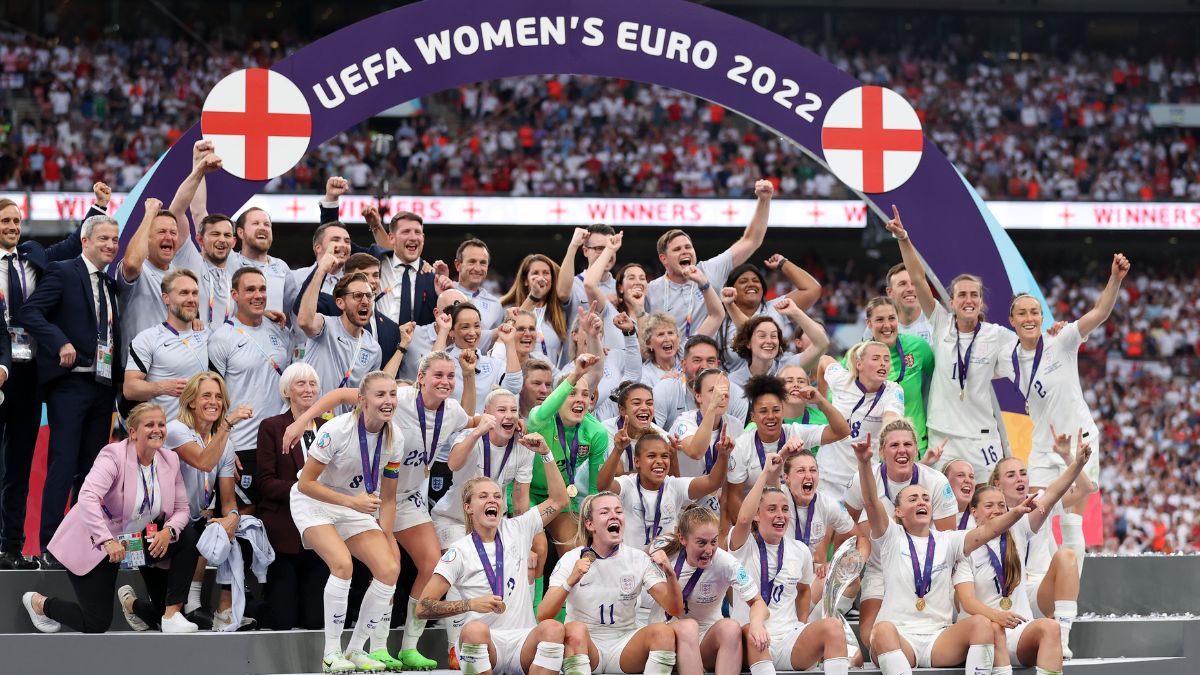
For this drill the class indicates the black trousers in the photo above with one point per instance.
(92, 613)
(79, 410)
(20, 419)
(295, 592)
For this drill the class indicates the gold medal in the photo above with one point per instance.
(920, 604)
(962, 394)
(1006, 603)
(572, 491)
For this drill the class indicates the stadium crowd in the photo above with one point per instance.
(105, 110)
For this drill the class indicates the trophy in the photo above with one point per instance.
(844, 569)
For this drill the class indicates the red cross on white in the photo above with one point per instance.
(259, 123)
(872, 139)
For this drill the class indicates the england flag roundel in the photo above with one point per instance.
(872, 139)
(258, 122)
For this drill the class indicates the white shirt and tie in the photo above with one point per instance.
(391, 279)
(94, 277)
(25, 271)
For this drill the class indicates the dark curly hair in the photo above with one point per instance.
(741, 341)
(762, 385)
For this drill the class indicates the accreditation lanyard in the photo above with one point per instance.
(272, 361)
(353, 358)
(202, 363)
(148, 488)
(212, 292)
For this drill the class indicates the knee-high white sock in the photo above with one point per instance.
(1043, 671)
(413, 627)
(577, 664)
(193, 599)
(1065, 612)
(1002, 670)
(762, 668)
(474, 659)
(893, 663)
(379, 636)
(660, 662)
(376, 602)
(1072, 532)
(838, 665)
(337, 591)
(845, 604)
(979, 660)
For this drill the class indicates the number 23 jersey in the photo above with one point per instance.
(461, 566)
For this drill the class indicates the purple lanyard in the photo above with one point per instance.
(370, 466)
(437, 427)
(691, 583)
(651, 531)
(803, 535)
(922, 580)
(1016, 361)
(762, 452)
(767, 588)
(148, 489)
(572, 457)
(629, 448)
(963, 363)
(487, 457)
(855, 426)
(900, 353)
(997, 567)
(710, 455)
(883, 479)
(962, 522)
(495, 576)
(804, 417)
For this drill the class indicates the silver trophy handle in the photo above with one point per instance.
(844, 569)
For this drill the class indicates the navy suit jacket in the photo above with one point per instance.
(6, 346)
(61, 310)
(39, 257)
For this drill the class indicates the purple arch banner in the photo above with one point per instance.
(423, 48)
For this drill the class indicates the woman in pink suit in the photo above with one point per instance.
(133, 484)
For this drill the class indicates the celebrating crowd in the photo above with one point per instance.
(602, 440)
(105, 110)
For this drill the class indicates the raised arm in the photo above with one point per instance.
(467, 360)
(752, 238)
(806, 289)
(712, 304)
(1108, 298)
(308, 318)
(607, 478)
(912, 262)
(597, 298)
(556, 489)
(565, 286)
(545, 412)
(1063, 485)
(735, 313)
(713, 480)
(815, 332)
(186, 192)
(999, 525)
(137, 248)
(749, 506)
(877, 516)
(697, 444)
(327, 403)
(205, 457)
(460, 452)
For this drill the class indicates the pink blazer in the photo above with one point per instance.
(112, 485)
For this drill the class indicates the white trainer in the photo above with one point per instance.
(334, 662)
(40, 621)
(178, 623)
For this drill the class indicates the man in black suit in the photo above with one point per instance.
(22, 265)
(74, 318)
(409, 294)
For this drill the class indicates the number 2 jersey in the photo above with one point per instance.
(462, 567)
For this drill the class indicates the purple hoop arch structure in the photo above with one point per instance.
(939, 207)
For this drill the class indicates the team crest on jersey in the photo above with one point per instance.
(324, 441)
(910, 360)
(449, 555)
(485, 368)
(743, 577)
(363, 357)
(628, 584)
(435, 483)
(246, 481)
(706, 589)
(947, 492)
(275, 342)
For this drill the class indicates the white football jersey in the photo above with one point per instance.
(610, 425)
(518, 468)
(419, 449)
(900, 597)
(1054, 393)
(828, 515)
(708, 592)
(685, 427)
(336, 446)
(745, 463)
(463, 568)
(972, 414)
(977, 568)
(606, 598)
(865, 416)
(782, 580)
(641, 505)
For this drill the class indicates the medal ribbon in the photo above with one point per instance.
(887, 492)
(710, 455)
(1016, 361)
(767, 587)
(487, 457)
(572, 457)
(762, 453)
(652, 531)
(997, 566)
(923, 580)
(900, 354)
(854, 426)
(437, 427)
(495, 576)
(803, 535)
(962, 522)
(370, 466)
(691, 583)
(963, 364)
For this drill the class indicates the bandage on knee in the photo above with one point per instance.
(577, 664)
(473, 659)
(549, 655)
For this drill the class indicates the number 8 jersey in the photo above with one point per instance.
(606, 598)
(337, 448)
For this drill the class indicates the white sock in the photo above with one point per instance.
(1065, 612)
(474, 659)
(193, 600)
(762, 668)
(838, 665)
(337, 591)
(979, 660)
(1002, 670)
(413, 627)
(844, 604)
(375, 603)
(577, 664)
(1043, 671)
(1072, 534)
(379, 636)
(660, 662)
(893, 663)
